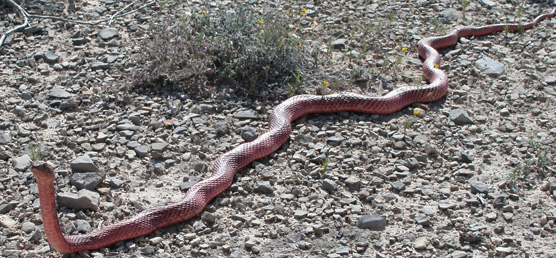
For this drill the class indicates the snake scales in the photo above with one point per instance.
(229, 163)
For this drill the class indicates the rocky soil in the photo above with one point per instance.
(466, 179)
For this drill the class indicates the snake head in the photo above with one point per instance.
(43, 171)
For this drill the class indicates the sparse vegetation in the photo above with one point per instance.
(536, 161)
(35, 150)
(325, 165)
(238, 47)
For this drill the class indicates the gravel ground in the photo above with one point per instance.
(345, 185)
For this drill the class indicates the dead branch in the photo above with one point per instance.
(27, 15)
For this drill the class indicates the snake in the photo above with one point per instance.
(225, 166)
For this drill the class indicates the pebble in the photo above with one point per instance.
(458, 254)
(550, 80)
(83, 163)
(421, 243)
(328, 185)
(51, 57)
(21, 163)
(264, 188)
(28, 227)
(460, 117)
(108, 33)
(87, 180)
(59, 92)
(248, 134)
(339, 43)
(490, 66)
(372, 222)
(479, 187)
(423, 220)
(84, 199)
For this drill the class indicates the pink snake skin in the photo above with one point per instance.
(229, 163)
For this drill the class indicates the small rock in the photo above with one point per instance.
(446, 206)
(108, 33)
(328, 185)
(264, 188)
(479, 187)
(221, 128)
(6, 207)
(458, 254)
(372, 222)
(129, 127)
(87, 180)
(490, 66)
(423, 220)
(421, 243)
(141, 150)
(28, 227)
(504, 251)
(419, 112)
(84, 199)
(83, 164)
(21, 163)
(159, 146)
(397, 186)
(51, 57)
(353, 183)
(246, 114)
(5, 137)
(500, 201)
(248, 134)
(465, 158)
(59, 92)
(460, 117)
(339, 43)
(551, 80)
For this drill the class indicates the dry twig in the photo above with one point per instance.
(27, 15)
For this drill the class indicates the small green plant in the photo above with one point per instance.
(295, 85)
(506, 30)
(438, 27)
(536, 163)
(407, 123)
(417, 80)
(519, 18)
(325, 165)
(464, 5)
(392, 16)
(35, 150)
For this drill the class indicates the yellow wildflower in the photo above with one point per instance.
(204, 11)
(436, 66)
(325, 83)
(303, 11)
(261, 22)
(415, 112)
(404, 48)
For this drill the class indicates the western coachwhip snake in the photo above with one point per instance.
(230, 162)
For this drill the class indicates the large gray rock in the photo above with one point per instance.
(490, 66)
(460, 117)
(87, 180)
(59, 92)
(372, 222)
(108, 33)
(21, 163)
(84, 199)
(83, 164)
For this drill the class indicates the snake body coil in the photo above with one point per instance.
(229, 163)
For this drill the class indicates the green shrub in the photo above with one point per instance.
(238, 47)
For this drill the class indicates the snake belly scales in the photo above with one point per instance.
(225, 167)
